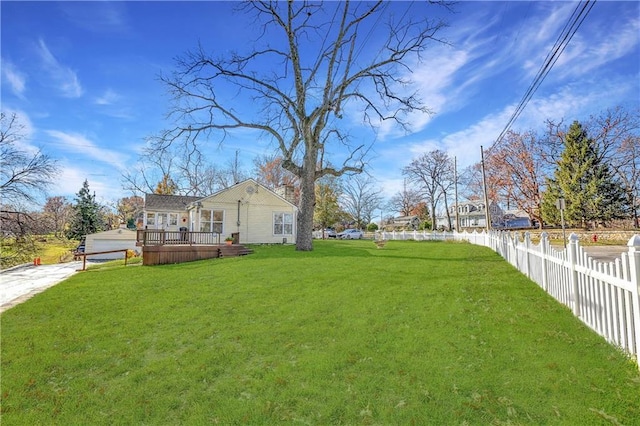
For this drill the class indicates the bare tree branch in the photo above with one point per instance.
(296, 82)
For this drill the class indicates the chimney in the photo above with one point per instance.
(286, 192)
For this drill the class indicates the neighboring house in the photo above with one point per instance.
(515, 219)
(471, 214)
(247, 209)
(405, 222)
(115, 239)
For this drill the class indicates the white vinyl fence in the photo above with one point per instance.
(604, 295)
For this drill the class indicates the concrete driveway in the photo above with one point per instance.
(22, 282)
(606, 253)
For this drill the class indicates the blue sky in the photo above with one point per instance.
(83, 78)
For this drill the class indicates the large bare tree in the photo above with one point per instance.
(406, 201)
(184, 165)
(360, 197)
(314, 63)
(516, 169)
(433, 174)
(24, 174)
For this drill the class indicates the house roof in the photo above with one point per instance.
(158, 202)
(255, 187)
(168, 202)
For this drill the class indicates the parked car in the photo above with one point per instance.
(330, 233)
(350, 234)
(80, 248)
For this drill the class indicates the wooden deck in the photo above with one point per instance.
(163, 247)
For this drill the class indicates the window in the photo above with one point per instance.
(173, 219)
(283, 224)
(151, 219)
(211, 221)
(162, 219)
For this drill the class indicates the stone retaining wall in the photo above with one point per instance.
(621, 237)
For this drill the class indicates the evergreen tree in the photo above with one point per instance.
(585, 182)
(87, 218)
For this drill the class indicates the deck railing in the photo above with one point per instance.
(156, 237)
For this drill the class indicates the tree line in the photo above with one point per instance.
(593, 166)
(295, 86)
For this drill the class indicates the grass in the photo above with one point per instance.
(55, 250)
(415, 333)
(49, 248)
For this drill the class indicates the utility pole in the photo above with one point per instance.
(487, 215)
(455, 183)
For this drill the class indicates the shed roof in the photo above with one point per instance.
(168, 202)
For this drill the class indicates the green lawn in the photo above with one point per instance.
(415, 333)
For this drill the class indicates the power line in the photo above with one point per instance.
(573, 24)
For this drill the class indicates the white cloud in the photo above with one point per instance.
(587, 53)
(78, 144)
(16, 79)
(570, 103)
(109, 97)
(99, 17)
(63, 77)
(72, 177)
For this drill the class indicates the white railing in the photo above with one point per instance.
(604, 295)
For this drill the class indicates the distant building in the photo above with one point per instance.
(411, 222)
(512, 219)
(471, 214)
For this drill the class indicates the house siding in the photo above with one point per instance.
(257, 208)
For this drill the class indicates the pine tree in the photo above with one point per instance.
(585, 182)
(87, 217)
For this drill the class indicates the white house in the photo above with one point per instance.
(248, 210)
(471, 214)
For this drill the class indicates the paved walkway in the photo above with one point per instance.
(22, 282)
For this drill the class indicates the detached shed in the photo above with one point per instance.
(115, 239)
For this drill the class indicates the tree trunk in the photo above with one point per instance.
(304, 235)
(433, 216)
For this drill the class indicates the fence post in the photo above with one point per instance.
(573, 260)
(527, 247)
(634, 266)
(544, 241)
